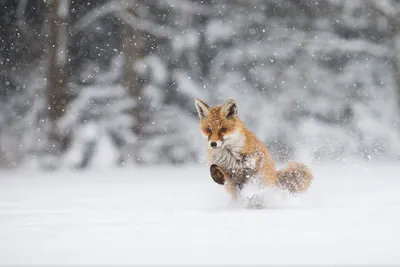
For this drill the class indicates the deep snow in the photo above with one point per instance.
(351, 214)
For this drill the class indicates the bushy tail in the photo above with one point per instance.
(295, 178)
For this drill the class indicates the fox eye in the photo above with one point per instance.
(223, 129)
(208, 130)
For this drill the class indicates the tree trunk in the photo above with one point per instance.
(132, 48)
(57, 74)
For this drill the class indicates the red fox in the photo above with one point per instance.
(235, 155)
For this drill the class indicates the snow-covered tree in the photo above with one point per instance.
(317, 79)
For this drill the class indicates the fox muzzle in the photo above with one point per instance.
(215, 144)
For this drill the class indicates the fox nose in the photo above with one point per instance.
(213, 144)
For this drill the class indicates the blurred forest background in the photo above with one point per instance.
(113, 82)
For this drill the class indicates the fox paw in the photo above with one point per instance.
(217, 174)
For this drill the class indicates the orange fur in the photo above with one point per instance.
(240, 154)
(295, 178)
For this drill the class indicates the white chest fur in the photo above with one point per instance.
(228, 156)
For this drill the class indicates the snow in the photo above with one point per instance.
(173, 215)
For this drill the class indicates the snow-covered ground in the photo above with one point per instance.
(164, 215)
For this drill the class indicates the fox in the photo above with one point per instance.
(236, 156)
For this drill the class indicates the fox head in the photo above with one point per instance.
(219, 124)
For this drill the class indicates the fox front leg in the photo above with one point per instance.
(217, 174)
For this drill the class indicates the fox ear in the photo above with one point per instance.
(229, 109)
(202, 109)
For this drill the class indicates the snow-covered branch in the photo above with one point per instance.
(384, 7)
(188, 7)
(21, 10)
(20, 15)
(147, 25)
(62, 13)
(119, 8)
(103, 10)
(63, 9)
(328, 42)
